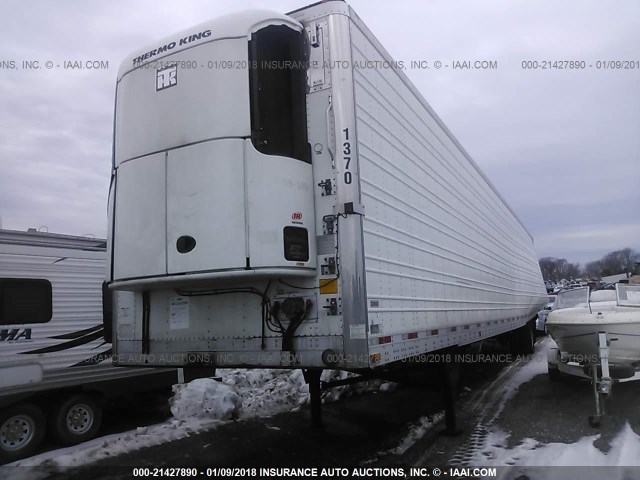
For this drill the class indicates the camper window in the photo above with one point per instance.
(278, 82)
(25, 300)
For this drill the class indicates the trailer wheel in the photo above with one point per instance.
(530, 338)
(21, 431)
(553, 360)
(554, 374)
(76, 419)
(523, 340)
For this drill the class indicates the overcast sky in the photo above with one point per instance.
(562, 146)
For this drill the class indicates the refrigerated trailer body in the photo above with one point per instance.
(55, 364)
(283, 196)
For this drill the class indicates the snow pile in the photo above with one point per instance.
(265, 392)
(359, 388)
(417, 431)
(206, 399)
(388, 387)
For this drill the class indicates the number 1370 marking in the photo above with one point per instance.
(346, 152)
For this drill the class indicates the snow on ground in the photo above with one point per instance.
(204, 404)
(531, 453)
(119, 443)
(537, 365)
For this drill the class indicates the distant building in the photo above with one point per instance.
(615, 278)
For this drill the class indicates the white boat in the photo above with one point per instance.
(541, 319)
(575, 330)
(598, 336)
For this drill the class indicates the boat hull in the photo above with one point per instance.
(575, 331)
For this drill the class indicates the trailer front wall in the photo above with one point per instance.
(443, 253)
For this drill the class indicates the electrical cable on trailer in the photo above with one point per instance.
(263, 315)
(266, 318)
(287, 335)
(222, 291)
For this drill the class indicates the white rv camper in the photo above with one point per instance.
(55, 364)
(283, 196)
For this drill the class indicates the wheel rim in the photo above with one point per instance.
(79, 418)
(16, 432)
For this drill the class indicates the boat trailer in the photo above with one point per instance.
(598, 372)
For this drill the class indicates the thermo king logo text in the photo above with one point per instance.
(170, 46)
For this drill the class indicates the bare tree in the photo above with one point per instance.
(613, 263)
(555, 269)
(629, 257)
(572, 270)
(593, 269)
(620, 261)
(548, 267)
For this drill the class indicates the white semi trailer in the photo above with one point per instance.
(283, 196)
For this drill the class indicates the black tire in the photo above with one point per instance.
(22, 429)
(76, 419)
(523, 340)
(529, 338)
(554, 374)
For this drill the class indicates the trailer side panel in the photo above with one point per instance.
(445, 257)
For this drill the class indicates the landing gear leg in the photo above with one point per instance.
(450, 372)
(312, 377)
